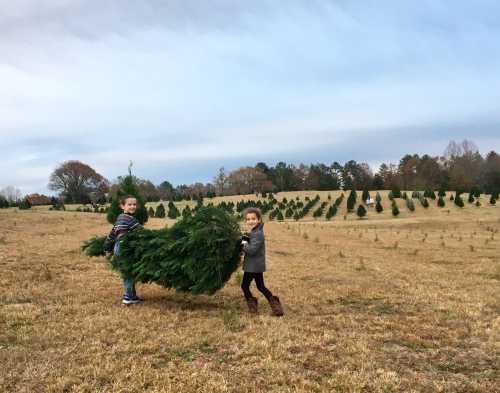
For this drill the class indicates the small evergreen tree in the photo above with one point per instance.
(378, 207)
(279, 216)
(410, 205)
(366, 195)
(361, 212)
(441, 202)
(391, 196)
(452, 198)
(442, 192)
(378, 198)
(24, 204)
(127, 186)
(332, 211)
(351, 201)
(459, 201)
(186, 212)
(296, 216)
(289, 213)
(4, 203)
(396, 191)
(493, 201)
(395, 209)
(57, 204)
(173, 212)
(476, 191)
(471, 198)
(424, 202)
(151, 211)
(160, 211)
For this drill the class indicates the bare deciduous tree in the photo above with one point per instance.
(77, 182)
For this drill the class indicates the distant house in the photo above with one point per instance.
(37, 199)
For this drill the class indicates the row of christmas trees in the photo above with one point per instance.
(297, 209)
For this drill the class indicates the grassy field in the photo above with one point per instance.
(410, 304)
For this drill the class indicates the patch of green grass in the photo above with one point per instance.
(224, 357)
(375, 305)
(187, 356)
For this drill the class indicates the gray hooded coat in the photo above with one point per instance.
(255, 251)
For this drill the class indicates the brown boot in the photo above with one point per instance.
(277, 309)
(252, 305)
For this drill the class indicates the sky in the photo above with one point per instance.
(183, 87)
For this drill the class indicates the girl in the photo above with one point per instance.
(125, 223)
(254, 263)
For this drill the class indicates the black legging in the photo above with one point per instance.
(259, 281)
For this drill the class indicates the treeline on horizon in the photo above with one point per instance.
(461, 168)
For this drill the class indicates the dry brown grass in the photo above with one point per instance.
(393, 315)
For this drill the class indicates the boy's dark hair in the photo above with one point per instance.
(124, 198)
(253, 210)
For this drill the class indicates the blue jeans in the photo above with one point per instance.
(128, 283)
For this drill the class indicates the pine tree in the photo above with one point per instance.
(4, 203)
(471, 198)
(459, 201)
(493, 201)
(57, 204)
(173, 212)
(441, 202)
(127, 186)
(296, 216)
(361, 212)
(395, 209)
(391, 196)
(424, 202)
(24, 204)
(151, 212)
(452, 198)
(476, 191)
(279, 216)
(378, 207)
(378, 198)
(351, 201)
(197, 254)
(186, 212)
(410, 205)
(289, 213)
(396, 191)
(160, 211)
(432, 195)
(442, 192)
(332, 211)
(366, 195)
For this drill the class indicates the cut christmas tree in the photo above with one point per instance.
(197, 254)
